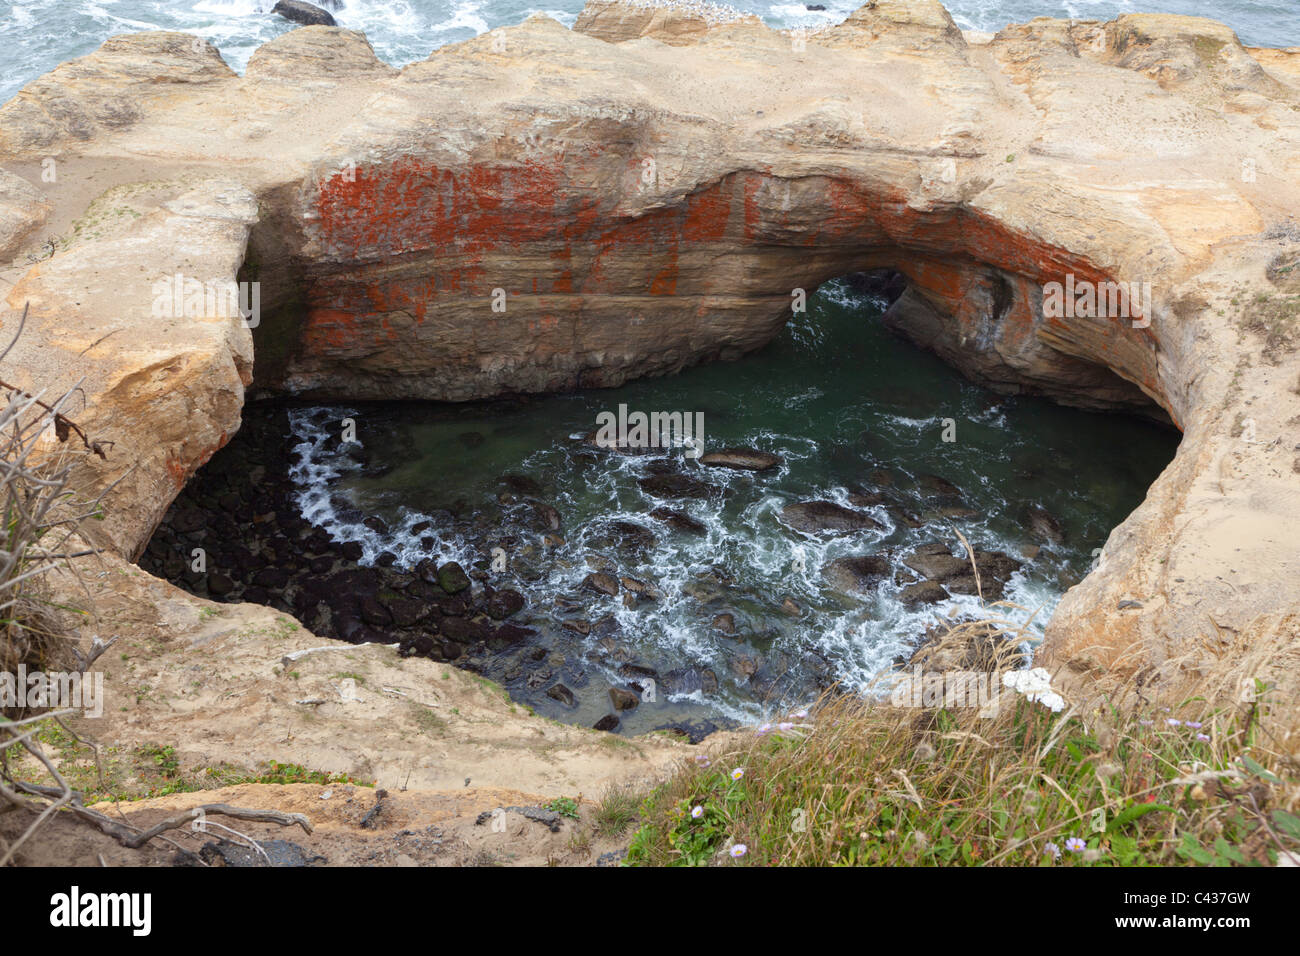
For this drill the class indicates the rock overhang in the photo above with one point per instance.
(648, 196)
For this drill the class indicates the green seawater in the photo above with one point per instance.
(847, 405)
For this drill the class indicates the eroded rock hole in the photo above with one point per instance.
(637, 591)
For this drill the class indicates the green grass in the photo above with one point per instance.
(870, 784)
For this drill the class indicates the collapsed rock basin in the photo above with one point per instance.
(542, 209)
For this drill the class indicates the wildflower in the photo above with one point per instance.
(738, 851)
(697, 812)
(1053, 850)
(799, 714)
(1203, 738)
(785, 727)
(1173, 722)
(1146, 723)
(702, 760)
(1075, 845)
(1036, 687)
(737, 773)
(1194, 724)
(764, 730)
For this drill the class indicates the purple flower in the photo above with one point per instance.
(1194, 724)
(1172, 722)
(697, 812)
(1075, 845)
(1054, 850)
(738, 851)
(1203, 737)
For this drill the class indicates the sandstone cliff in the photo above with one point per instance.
(645, 192)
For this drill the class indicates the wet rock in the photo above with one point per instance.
(521, 485)
(640, 588)
(452, 578)
(743, 665)
(628, 534)
(637, 673)
(623, 699)
(923, 592)
(562, 694)
(857, 574)
(935, 486)
(608, 723)
(602, 583)
(499, 605)
(826, 517)
(791, 607)
(745, 459)
(1043, 525)
(464, 630)
(866, 499)
(547, 515)
(376, 524)
(407, 612)
(510, 634)
(726, 623)
(299, 11)
(677, 486)
(417, 645)
(351, 551)
(936, 563)
(374, 613)
(219, 585)
(679, 520)
(690, 680)
(577, 625)
(693, 731)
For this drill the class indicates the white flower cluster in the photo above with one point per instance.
(1036, 687)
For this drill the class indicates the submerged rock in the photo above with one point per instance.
(623, 699)
(1044, 525)
(677, 486)
(679, 520)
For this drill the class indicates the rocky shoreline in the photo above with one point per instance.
(1148, 149)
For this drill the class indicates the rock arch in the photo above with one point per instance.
(647, 190)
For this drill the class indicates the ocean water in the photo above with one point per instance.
(848, 406)
(37, 35)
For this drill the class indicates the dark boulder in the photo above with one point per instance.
(857, 574)
(826, 517)
(744, 459)
(308, 14)
(452, 578)
(679, 520)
